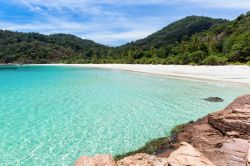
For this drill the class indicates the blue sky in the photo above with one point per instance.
(110, 22)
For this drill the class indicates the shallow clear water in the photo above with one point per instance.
(53, 115)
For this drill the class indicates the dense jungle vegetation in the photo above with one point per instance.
(193, 40)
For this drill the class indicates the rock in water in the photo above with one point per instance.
(214, 99)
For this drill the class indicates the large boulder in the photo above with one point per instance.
(187, 155)
(235, 152)
(234, 120)
(222, 137)
(98, 160)
(248, 155)
(142, 159)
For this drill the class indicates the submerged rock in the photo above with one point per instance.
(214, 99)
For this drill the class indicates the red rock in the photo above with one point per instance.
(98, 160)
(235, 151)
(234, 118)
(187, 155)
(222, 136)
(233, 134)
(142, 159)
(248, 155)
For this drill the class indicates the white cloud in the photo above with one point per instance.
(99, 30)
(106, 25)
(111, 38)
(242, 4)
(233, 4)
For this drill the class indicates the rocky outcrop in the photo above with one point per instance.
(142, 159)
(223, 136)
(235, 152)
(98, 160)
(187, 155)
(234, 120)
(219, 139)
(248, 156)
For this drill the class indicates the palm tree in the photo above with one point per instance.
(184, 47)
(209, 42)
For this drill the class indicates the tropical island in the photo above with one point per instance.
(205, 54)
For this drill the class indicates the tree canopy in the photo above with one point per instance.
(192, 40)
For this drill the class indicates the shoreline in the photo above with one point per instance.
(239, 74)
(219, 138)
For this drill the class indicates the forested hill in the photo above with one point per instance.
(176, 31)
(225, 42)
(16, 47)
(192, 40)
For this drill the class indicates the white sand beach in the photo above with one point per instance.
(229, 73)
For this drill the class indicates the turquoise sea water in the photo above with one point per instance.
(53, 115)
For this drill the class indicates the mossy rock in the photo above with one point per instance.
(178, 129)
(150, 147)
(156, 146)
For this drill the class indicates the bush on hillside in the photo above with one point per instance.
(197, 56)
(215, 60)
